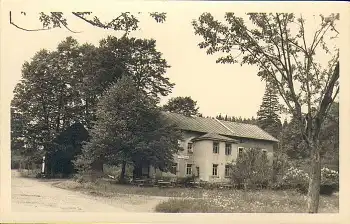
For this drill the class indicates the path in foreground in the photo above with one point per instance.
(31, 195)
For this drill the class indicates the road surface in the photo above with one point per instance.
(32, 195)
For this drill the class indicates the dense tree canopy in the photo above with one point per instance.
(295, 147)
(61, 87)
(182, 105)
(64, 149)
(130, 129)
(237, 119)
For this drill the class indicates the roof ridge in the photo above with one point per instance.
(224, 125)
(241, 123)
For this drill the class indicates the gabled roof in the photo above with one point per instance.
(248, 131)
(211, 125)
(214, 136)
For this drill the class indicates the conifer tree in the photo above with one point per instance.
(268, 118)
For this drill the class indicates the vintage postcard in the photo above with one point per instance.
(134, 111)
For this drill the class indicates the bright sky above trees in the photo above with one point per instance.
(217, 88)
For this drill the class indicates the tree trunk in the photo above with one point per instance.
(313, 196)
(122, 174)
(97, 169)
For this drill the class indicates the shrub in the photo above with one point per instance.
(187, 206)
(16, 161)
(84, 177)
(15, 164)
(252, 167)
(185, 181)
(329, 181)
(298, 179)
(165, 176)
(329, 177)
(280, 164)
(30, 173)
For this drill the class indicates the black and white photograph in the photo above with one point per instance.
(171, 111)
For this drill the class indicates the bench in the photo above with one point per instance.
(139, 183)
(162, 183)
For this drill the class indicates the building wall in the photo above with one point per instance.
(182, 158)
(204, 158)
(268, 146)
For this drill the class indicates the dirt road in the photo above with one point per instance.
(31, 195)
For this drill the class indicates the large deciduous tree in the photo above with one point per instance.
(130, 129)
(133, 57)
(61, 87)
(182, 105)
(285, 54)
(47, 97)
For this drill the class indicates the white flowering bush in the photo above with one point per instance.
(329, 176)
(295, 175)
(299, 179)
(329, 181)
(296, 178)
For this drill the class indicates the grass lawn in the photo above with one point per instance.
(202, 200)
(239, 201)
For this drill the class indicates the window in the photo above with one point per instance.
(189, 169)
(197, 169)
(216, 147)
(228, 149)
(174, 168)
(215, 169)
(189, 145)
(264, 151)
(227, 171)
(145, 170)
(240, 151)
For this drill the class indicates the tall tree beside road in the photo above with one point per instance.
(289, 57)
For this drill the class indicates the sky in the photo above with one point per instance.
(234, 90)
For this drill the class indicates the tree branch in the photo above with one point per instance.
(331, 71)
(54, 15)
(268, 57)
(278, 83)
(21, 28)
(289, 75)
(327, 99)
(319, 40)
(88, 21)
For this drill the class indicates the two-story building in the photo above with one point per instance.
(210, 145)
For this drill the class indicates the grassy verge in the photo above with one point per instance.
(266, 201)
(186, 200)
(107, 189)
(29, 173)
